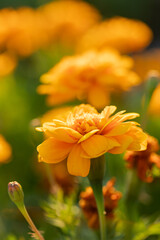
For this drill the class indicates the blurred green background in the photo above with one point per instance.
(19, 104)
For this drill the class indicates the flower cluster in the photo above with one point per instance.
(92, 76)
(88, 204)
(144, 161)
(87, 134)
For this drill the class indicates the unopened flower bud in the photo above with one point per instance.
(15, 192)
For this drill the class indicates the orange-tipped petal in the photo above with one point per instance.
(76, 164)
(97, 145)
(54, 151)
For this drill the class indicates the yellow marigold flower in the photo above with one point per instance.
(87, 134)
(7, 63)
(67, 20)
(89, 207)
(144, 161)
(5, 150)
(92, 76)
(126, 35)
(147, 63)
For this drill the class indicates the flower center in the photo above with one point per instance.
(84, 123)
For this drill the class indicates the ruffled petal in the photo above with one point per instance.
(120, 129)
(88, 135)
(108, 111)
(53, 150)
(64, 134)
(139, 139)
(124, 142)
(97, 145)
(76, 164)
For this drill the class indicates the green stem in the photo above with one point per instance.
(50, 176)
(96, 179)
(24, 212)
(131, 202)
(97, 189)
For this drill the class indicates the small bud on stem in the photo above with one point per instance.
(16, 194)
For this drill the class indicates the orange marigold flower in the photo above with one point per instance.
(25, 33)
(87, 134)
(7, 63)
(144, 161)
(89, 207)
(126, 35)
(92, 76)
(67, 20)
(147, 63)
(5, 150)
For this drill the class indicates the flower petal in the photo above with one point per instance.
(76, 164)
(139, 139)
(87, 135)
(124, 142)
(108, 111)
(97, 145)
(120, 129)
(64, 134)
(53, 150)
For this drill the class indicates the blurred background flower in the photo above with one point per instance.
(92, 76)
(125, 35)
(5, 150)
(88, 204)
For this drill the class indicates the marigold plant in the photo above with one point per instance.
(87, 134)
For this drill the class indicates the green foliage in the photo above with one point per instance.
(153, 229)
(62, 213)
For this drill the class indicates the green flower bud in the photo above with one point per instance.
(15, 192)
